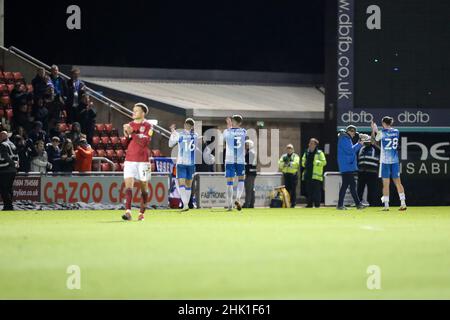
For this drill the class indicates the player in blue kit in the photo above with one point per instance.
(186, 140)
(389, 161)
(234, 137)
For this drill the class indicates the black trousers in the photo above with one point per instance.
(6, 188)
(290, 182)
(313, 192)
(348, 180)
(371, 180)
(249, 191)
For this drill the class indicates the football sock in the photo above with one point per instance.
(230, 194)
(188, 195)
(240, 189)
(402, 199)
(183, 195)
(128, 197)
(385, 200)
(144, 196)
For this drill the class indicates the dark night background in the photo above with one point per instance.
(283, 36)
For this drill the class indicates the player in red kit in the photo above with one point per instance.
(137, 163)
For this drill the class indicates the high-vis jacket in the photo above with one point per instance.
(319, 162)
(289, 164)
(8, 155)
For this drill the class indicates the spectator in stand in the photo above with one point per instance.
(87, 114)
(67, 156)
(84, 154)
(19, 96)
(40, 113)
(75, 134)
(59, 84)
(40, 83)
(24, 151)
(75, 90)
(56, 132)
(37, 133)
(40, 163)
(54, 153)
(22, 118)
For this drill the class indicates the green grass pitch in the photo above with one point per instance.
(211, 254)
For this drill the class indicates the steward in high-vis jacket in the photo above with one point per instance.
(313, 162)
(289, 165)
(9, 161)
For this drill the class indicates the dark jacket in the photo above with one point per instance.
(369, 159)
(347, 151)
(250, 163)
(8, 156)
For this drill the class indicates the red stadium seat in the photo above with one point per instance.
(95, 141)
(115, 141)
(100, 127)
(120, 153)
(124, 142)
(101, 153)
(110, 153)
(105, 167)
(108, 127)
(3, 88)
(117, 167)
(95, 166)
(10, 87)
(18, 76)
(9, 77)
(9, 114)
(105, 140)
(4, 100)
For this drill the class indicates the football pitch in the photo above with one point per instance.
(211, 254)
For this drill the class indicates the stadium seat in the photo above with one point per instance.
(124, 142)
(117, 167)
(110, 154)
(3, 88)
(100, 127)
(101, 153)
(9, 114)
(8, 76)
(120, 153)
(4, 100)
(108, 127)
(115, 141)
(105, 167)
(18, 76)
(95, 141)
(95, 166)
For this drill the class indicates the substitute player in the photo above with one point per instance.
(234, 137)
(389, 161)
(186, 140)
(137, 165)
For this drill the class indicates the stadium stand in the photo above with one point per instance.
(106, 142)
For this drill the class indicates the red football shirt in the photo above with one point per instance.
(138, 150)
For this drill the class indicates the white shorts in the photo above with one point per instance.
(138, 170)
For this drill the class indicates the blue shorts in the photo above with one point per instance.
(234, 170)
(389, 170)
(185, 171)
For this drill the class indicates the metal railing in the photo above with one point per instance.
(96, 95)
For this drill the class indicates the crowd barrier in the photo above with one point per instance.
(88, 187)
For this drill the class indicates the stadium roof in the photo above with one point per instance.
(210, 100)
